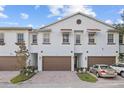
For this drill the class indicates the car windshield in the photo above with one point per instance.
(120, 65)
(105, 67)
(114, 65)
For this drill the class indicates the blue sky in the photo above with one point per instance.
(37, 16)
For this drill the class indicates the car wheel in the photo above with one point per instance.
(97, 74)
(122, 74)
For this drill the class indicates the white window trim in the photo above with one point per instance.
(94, 37)
(18, 37)
(121, 43)
(44, 42)
(110, 43)
(68, 38)
(76, 39)
(2, 39)
(34, 43)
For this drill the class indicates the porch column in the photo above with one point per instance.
(39, 62)
(117, 60)
(84, 61)
(72, 63)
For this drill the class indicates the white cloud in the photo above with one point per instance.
(63, 10)
(109, 21)
(119, 21)
(2, 15)
(37, 6)
(121, 11)
(55, 10)
(24, 16)
(1, 8)
(39, 26)
(42, 25)
(30, 25)
(9, 23)
(59, 18)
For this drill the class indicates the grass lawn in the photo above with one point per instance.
(87, 77)
(21, 78)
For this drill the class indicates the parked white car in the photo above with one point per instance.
(119, 68)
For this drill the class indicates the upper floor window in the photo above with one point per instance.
(20, 37)
(34, 39)
(78, 39)
(110, 38)
(46, 38)
(120, 39)
(65, 38)
(91, 38)
(2, 39)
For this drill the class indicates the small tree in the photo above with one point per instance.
(121, 57)
(120, 28)
(22, 55)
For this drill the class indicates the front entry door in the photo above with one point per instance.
(75, 63)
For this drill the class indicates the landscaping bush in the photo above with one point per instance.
(21, 78)
(81, 70)
(28, 70)
(87, 77)
(25, 74)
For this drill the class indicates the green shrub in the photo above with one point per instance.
(82, 70)
(87, 77)
(25, 74)
(28, 69)
(21, 78)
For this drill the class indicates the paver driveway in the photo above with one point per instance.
(5, 76)
(70, 79)
(54, 77)
(61, 79)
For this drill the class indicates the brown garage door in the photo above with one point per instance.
(101, 60)
(56, 63)
(9, 63)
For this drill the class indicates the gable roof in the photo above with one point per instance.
(78, 13)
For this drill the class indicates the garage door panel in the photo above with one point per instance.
(55, 63)
(9, 63)
(101, 60)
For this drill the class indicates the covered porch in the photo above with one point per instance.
(78, 60)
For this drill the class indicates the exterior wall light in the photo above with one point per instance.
(71, 51)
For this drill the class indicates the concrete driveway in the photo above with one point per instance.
(5, 76)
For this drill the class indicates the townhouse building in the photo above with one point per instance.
(73, 42)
